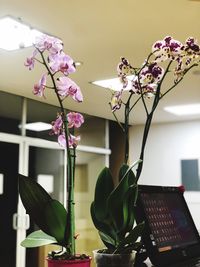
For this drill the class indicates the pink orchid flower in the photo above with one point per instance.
(66, 87)
(72, 140)
(40, 86)
(30, 61)
(57, 125)
(62, 62)
(74, 119)
(62, 140)
(49, 43)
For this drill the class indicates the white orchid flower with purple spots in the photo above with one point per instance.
(191, 46)
(168, 48)
(124, 69)
(116, 100)
(148, 79)
(190, 55)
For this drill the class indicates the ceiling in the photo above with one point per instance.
(98, 33)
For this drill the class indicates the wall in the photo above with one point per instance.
(88, 240)
(167, 144)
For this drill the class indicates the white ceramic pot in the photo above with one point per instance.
(114, 260)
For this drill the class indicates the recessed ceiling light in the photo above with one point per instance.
(113, 83)
(37, 126)
(78, 63)
(181, 110)
(15, 34)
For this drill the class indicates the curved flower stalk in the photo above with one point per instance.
(58, 65)
(168, 57)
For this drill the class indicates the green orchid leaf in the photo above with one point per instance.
(131, 201)
(129, 248)
(104, 187)
(117, 201)
(102, 226)
(135, 246)
(34, 199)
(37, 239)
(107, 240)
(128, 170)
(122, 171)
(56, 218)
(133, 235)
(128, 210)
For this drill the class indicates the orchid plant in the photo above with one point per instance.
(57, 224)
(168, 57)
(112, 210)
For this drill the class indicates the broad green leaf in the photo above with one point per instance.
(102, 226)
(38, 238)
(129, 248)
(107, 240)
(135, 246)
(131, 207)
(129, 169)
(117, 207)
(104, 187)
(34, 199)
(123, 171)
(133, 235)
(128, 210)
(56, 218)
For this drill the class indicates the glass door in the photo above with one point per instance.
(40, 159)
(46, 166)
(8, 202)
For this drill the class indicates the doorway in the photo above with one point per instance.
(28, 156)
(8, 202)
(46, 166)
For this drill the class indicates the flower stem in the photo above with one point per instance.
(70, 224)
(126, 132)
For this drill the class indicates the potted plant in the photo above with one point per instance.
(56, 224)
(112, 210)
(113, 216)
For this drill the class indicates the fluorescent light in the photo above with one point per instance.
(15, 34)
(37, 126)
(114, 83)
(184, 109)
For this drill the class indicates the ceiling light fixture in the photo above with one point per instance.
(37, 126)
(181, 110)
(114, 83)
(15, 34)
(78, 63)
